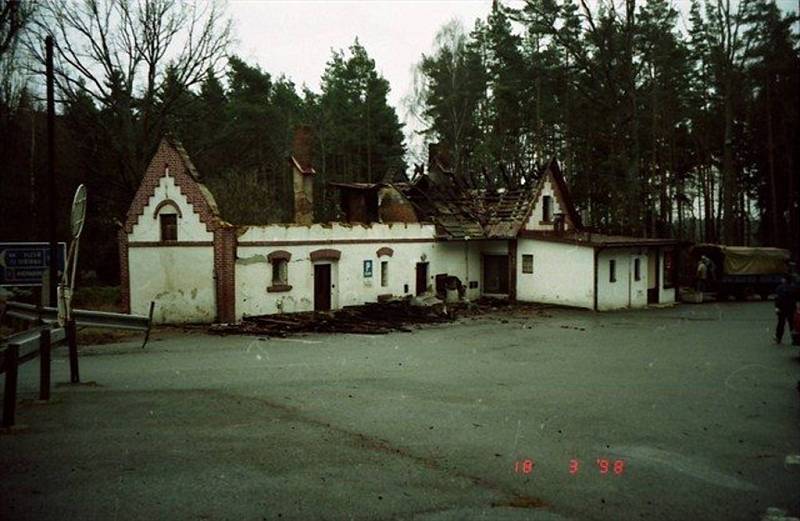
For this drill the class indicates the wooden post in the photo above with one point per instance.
(44, 364)
(72, 343)
(51, 171)
(10, 390)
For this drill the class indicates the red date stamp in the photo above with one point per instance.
(524, 466)
(603, 466)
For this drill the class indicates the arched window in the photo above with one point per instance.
(168, 212)
(279, 260)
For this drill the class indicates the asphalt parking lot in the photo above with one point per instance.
(677, 413)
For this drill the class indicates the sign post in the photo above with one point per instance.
(67, 285)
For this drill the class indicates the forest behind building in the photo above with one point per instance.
(667, 122)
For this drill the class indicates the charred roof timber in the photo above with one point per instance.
(374, 202)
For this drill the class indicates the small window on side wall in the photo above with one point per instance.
(637, 269)
(169, 226)
(612, 270)
(527, 264)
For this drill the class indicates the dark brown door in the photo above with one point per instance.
(422, 277)
(322, 287)
(653, 276)
(495, 274)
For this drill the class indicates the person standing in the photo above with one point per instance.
(701, 275)
(785, 300)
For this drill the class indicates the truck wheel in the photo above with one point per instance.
(764, 296)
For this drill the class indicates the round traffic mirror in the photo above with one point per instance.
(78, 214)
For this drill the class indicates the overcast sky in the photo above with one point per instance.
(295, 37)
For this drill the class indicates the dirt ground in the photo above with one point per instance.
(678, 413)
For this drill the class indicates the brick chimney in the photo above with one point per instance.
(303, 174)
(437, 152)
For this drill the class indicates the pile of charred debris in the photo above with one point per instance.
(371, 319)
(374, 319)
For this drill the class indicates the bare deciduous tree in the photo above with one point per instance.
(120, 54)
(14, 16)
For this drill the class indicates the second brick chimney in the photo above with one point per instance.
(303, 174)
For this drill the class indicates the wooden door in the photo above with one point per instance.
(653, 276)
(322, 287)
(422, 277)
(495, 274)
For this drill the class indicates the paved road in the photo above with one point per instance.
(695, 402)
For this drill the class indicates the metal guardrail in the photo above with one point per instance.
(28, 343)
(38, 341)
(24, 347)
(82, 317)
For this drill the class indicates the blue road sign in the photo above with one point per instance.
(24, 263)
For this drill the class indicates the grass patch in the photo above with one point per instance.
(93, 336)
(98, 298)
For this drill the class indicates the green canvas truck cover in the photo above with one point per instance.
(741, 260)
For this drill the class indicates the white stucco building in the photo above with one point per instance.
(396, 239)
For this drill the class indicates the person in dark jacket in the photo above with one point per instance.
(785, 301)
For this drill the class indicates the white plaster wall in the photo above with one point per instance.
(537, 213)
(459, 259)
(612, 295)
(349, 286)
(463, 259)
(625, 292)
(562, 273)
(253, 273)
(190, 228)
(338, 232)
(638, 288)
(180, 279)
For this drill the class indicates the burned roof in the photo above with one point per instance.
(463, 213)
(506, 211)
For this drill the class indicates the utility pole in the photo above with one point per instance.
(51, 170)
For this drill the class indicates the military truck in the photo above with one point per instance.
(741, 271)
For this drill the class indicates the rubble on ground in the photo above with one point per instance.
(377, 318)
(373, 318)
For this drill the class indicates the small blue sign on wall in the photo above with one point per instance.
(25, 263)
(367, 269)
